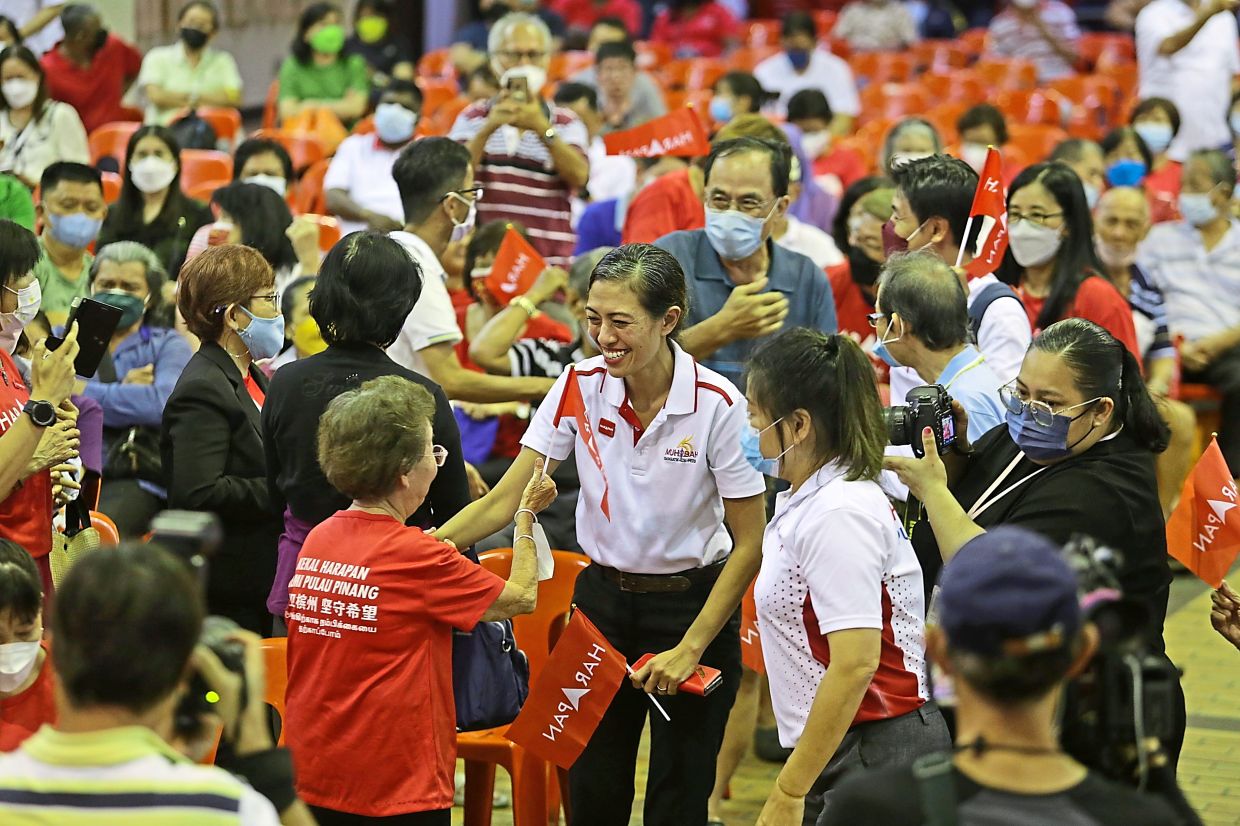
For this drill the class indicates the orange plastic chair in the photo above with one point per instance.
(1031, 106)
(746, 57)
(304, 150)
(824, 21)
(941, 56)
(225, 120)
(1001, 73)
(108, 534)
(1093, 96)
(944, 117)
(652, 54)
(564, 65)
(691, 73)
(839, 47)
(275, 659)
(973, 40)
(441, 123)
(271, 106)
(874, 68)
(203, 190)
(762, 32)
(110, 140)
(893, 100)
(435, 93)
(329, 230)
(437, 64)
(963, 86)
(1035, 140)
(201, 165)
(310, 196)
(1107, 47)
(111, 187)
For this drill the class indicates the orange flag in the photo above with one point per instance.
(677, 133)
(1204, 529)
(571, 404)
(516, 268)
(989, 207)
(751, 640)
(568, 699)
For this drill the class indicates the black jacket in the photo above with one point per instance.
(212, 449)
(299, 394)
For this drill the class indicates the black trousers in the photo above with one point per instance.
(1224, 376)
(682, 752)
(331, 817)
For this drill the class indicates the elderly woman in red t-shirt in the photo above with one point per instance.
(26, 699)
(371, 719)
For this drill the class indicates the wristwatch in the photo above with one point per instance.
(42, 413)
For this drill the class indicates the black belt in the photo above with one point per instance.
(661, 583)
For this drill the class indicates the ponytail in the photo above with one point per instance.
(1141, 416)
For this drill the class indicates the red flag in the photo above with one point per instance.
(1204, 529)
(751, 641)
(568, 699)
(989, 207)
(677, 133)
(571, 404)
(516, 268)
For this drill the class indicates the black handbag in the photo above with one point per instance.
(129, 453)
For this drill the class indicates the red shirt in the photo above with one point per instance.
(95, 91)
(371, 718)
(845, 164)
(1162, 189)
(256, 392)
(668, 204)
(852, 311)
(1098, 301)
(26, 515)
(701, 32)
(583, 14)
(24, 714)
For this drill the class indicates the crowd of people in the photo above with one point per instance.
(733, 327)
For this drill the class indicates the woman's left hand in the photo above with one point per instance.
(664, 672)
(920, 475)
(781, 809)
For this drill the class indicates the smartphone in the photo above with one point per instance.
(96, 323)
(519, 88)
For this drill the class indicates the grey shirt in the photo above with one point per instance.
(647, 100)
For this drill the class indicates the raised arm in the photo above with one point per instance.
(494, 511)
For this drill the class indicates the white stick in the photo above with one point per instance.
(968, 225)
(651, 696)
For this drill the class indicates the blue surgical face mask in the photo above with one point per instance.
(750, 437)
(1157, 136)
(1044, 443)
(264, 338)
(74, 229)
(733, 234)
(720, 109)
(1197, 208)
(799, 58)
(881, 350)
(394, 123)
(1126, 172)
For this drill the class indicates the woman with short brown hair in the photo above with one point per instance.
(211, 440)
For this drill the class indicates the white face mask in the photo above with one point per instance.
(20, 92)
(29, 299)
(535, 78)
(152, 174)
(1114, 256)
(974, 154)
(461, 231)
(17, 660)
(1033, 244)
(815, 143)
(273, 182)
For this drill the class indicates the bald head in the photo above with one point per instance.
(1124, 198)
(1121, 222)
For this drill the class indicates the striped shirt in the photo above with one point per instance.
(1201, 288)
(543, 357)
(522, 184)
(122, 775)
(1149, 316)
(1012, 36)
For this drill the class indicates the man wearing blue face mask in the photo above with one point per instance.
(72, 209)
(359, 185)
(803, 65)
(742, 286)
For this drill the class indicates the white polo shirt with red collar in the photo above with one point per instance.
(362, 167)
(835, 557)
(666, 483)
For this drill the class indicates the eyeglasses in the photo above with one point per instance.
(440, 454)
(1036, 217)
(1043, 414)
(474, 193)
(270, 297)
(874, 317)
(753, 207)
(512, 56)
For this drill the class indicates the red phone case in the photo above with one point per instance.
(704, 680)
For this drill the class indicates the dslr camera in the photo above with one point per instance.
(928, 406)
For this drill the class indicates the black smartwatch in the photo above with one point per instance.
(41, 413)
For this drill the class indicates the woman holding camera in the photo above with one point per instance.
(839, 595)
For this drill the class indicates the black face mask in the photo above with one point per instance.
(864, 269)
(194, 38)
(101, 37)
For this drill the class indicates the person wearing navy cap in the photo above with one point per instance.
(1010, 633)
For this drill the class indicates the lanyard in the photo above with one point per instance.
(980, 358)
(983, 504)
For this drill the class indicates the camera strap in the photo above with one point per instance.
(983, 504)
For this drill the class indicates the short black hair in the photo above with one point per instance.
(1072, 150)
(928, 296)
(1111, 141)
(425, 172)
(857, 190)
(744, 84)
(1153, 104)
(310, 15)
(20, 251)
(1010, 681)
(207, 6)
(799, 22)
(125, 621)
(21, 588)
(573, 92)
(261, 146)
(615, 48)
(939, 186)
(19, 52)
(653, 274)
(263, 218)
(403, 87)
(984, 114)
(71, 171)
(73, 17)
(809, 103)
(368, 284)
(779, 154)
(383, 8)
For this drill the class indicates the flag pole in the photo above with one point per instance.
(629, 669)
(967, 226)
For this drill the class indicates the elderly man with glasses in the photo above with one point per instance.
(530, 156)
(743, 286)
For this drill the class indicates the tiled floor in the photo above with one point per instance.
(1209, 764)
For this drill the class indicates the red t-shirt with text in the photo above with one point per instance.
(26, 515)
(371, 719)
(24, 714)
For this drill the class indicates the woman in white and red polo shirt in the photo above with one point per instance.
(839, 596)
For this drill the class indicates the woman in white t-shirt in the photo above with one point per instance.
(840, 604)
(35, 132)
(670, 514)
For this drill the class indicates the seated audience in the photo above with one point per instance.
(1050, 260)
(27, 701)
(1127, 158)
(189, 74)
(516, 136)
(980, 127)
(742, 286)
(375, 446)
(581, 16)
(35, 131)
(388, 54)
(695, 28)
(153, 210)
(875, 25)
(143, 362)
(91, 68)
(736, 94)
(838, 574)
(790, 232)
(611, 176)
(864, 210)
(621, 99)
(1010, 634)
(264, 161)
(1042, 31)
(803, 65)
(834, 168)
(210, 435)
(1084, 157)
(602, 222)
(1157, 122)
(119, 685)
(1194, 262)
(365, 289)
(317, 76)
(909, 140)
(42, 433)
(72, 210)
(922, 322)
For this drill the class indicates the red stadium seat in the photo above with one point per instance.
(692, 73)
(1108, 48)
(108, 534)
(963, 86)
(746, 57)
(566, 64)
(275, 660)
(435, 93)
(651, 54)
(310, 196)
(761, 32)
(944, 117)
(973, 41)
(1032, 106)
(941, 55)
(271, 106)
(225, 120)
(824, 21)
(304, 150)
(441, 123)
(329, 230)
(1035, 141)
(200, 165)
(111, 187)
(873, 68)
(110, 139)
(893, 100)
(1000, 74)
(437, 64)
(203, 190)
(1093, 97)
